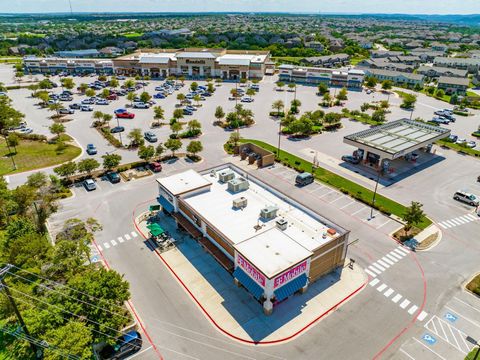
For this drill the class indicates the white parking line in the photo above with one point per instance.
(113, 242)
(370, 273)
(382, 287)
(383, 263)
(120, 239)
(463, 302)
(407, 354)
(341, 197)
(412, 309)
(463, 316)
(385, 223)
(404, 303)
(396, 298)
(422, 316)
(350, 203)
(440, 356)
(134, 234)
(374, 282)
(388, 292)
(127, 237)
(374, 269)
(356, 212)
(381, 268)
(331, 191)
(106, 245)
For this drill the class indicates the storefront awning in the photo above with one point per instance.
(155, 229)
(166, 204)
(291, 287)
(250, 284)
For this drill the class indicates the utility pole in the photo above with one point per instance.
(37, 351)
(375, 192)
(10, 152)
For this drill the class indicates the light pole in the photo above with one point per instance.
(374, 194)
(10, 152)
(120, 133)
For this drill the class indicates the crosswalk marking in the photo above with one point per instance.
(456, 222)
(404, 303)
(134, 234)
(120, 239)
(442, 225)
(381, 268)
(398, 252)
(394, 254)
(394, 259)
(374, 269)
(383, 263)
(106, 245)
(388, 292)
(127, 237)
(113, 242)
(465, 218)
(412, 309)
(374, 282)
(396, 298)
(471, 216)
(459, 220)
(382, 287)
(372, 274)
(387, 260)
(422, 316)
(401, 248)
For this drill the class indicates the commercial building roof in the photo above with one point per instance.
(162, 58)
(183, 182)
(397, 138)
(196, 55)
(272, 251)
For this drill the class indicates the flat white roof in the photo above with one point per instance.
(216, 207)
(162, 58)
(183, 182)
(272, 251)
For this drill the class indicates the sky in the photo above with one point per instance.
(310, 6)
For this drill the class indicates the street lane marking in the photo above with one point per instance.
(412, 309)
(374, 269)
(113, 242)
(388, 292)
(120, 239)
(396, 298)
(455, 222)
(465, 218)
(450, 223)
(374, 282)
(382, 287)
(380, 267)
(383, 263)
(395, 255)
(440, 356)
(387, 260)
(127, 237)
(422, 316)
(458, 220)
(404, 250)
(370, 273)
(106, 245)
(405, 303)
(394, 259)
(134, 234)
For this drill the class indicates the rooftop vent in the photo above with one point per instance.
(226, 175)
(269, 212)
(238, 184)
(282, 224)
(240, 203)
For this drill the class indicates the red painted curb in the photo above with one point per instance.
(234, 336)
(130, 305)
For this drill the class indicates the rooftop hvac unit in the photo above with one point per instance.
(282, 224)
(240, 203)
(237, 185)
(269, 212)
(226, 175)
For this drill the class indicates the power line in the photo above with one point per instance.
(70, 3)
(72, 297)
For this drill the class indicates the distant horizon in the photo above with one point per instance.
(313, 7)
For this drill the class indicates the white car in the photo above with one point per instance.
(246, 99)
(90, 184)
(461, 141)
(471, 144)
(25, 130)
(86, 108)
(140, 105)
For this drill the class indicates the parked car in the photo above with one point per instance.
(65, 98)
(125, 346)
(91, 149)
(351, 159)
(158, 88)
(86, 108)
(304, 179)
(119, 111)
(140, 105)
(25, 130)
(113, 177)
(471, 144)
(187, 112)
(461, 141)
(112, 97)
(75, 106)
(88, 102)
(117, 129)
(159, 96)
(150, 136)
(66, 111)
(102, 102)
(155, 166)
(453, 138)
(125, 115)
(466, 198)
(246, 99)
(191, 108)
(90, 184)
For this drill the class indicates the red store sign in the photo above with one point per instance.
(250, 270)
(290, 274)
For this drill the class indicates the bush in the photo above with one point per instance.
(276, 114)
(109, 137)
(34, 137)
(190, 133)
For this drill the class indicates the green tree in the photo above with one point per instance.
(194, 125)
(9, 117)
(387, 84)
(440, 93)
(57, 129)
(105, 93)
(278, 105)
(66, 170)
(342, 95)
(371, 82)
(413, 216)
(145, 97)
(90, 92)
(234, 138)
(173, 145)
(219, 113)
(129, 83)
(409, 101)
(146, 152)
(210, 88)
(56, 107)
(44, 97)
(34, 88)
(136, 137)
(194, 86)
(73, 338)
(292, 86)
(98, 115)
(87, 166)
(45, 84)
(418, 87)
(114, 82)
(194, 147)
(379, 116)
(111, 161)
(68, 83)
(13, 140)
(83, 88)
(176, 127)
(159, 150)
(280, 85)
(322, 88)
(159, 113)
(131, 96)
(178, 114)
(251, 92)
(364, 107)
(181, 97)
(107, 118)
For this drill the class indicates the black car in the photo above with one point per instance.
(113, 177)
(117, 129)
(74, 106)
(351, 159)
(126, 345)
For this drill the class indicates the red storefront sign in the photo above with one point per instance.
(250, 270)
(290, 274)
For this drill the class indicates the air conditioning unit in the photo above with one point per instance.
(226, 175)
(269, 212)
(238, 184)
(282, 224)
(240, 203)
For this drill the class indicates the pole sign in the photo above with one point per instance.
(250, 270)
(290, 274)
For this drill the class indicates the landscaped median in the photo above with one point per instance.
(346, 186)
(458, 147)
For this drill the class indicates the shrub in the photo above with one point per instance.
(109, 137)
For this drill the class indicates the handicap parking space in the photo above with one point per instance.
(450, 333)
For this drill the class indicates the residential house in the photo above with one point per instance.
(406, 59)
(426, 55)
(436, 71)
(384, 53)
(399, 78)
(110, 51)
(316, 45)
(472, 65)
(336, 45)
(19, 50)
(328, 61)
(452, 85)
(87, 53)
(437, 46)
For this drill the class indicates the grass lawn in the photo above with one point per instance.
(356, 59)
(472, 94)
(132, 35)
(474, 285)
(471, 355)
(458, 147)
(346, 186)
(34, 155)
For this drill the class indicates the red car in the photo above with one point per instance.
(112, 97)
(125, 115)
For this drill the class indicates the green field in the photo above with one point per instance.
(295, 60)
(346, 186)
(132, 35)
(34, 155)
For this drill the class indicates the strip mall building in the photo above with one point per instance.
(273, 245)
